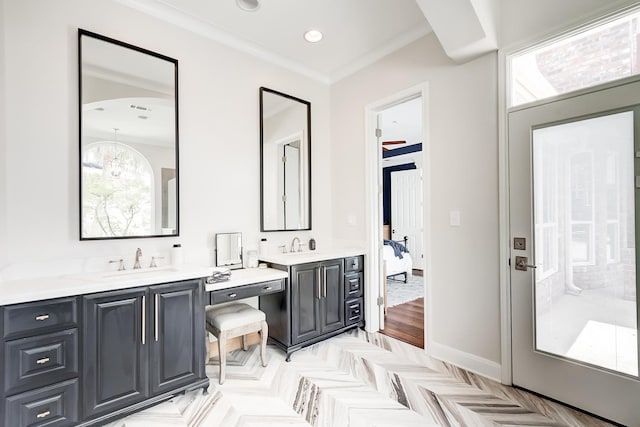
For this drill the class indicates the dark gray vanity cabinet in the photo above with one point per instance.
(354, 290)
(305, 302)
(317, 302)
(332, 301)
(115, 350)
(313, 306)
(87, 359)
(140, 343)
(177, 341)
(40, 363)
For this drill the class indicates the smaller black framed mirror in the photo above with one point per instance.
(285, 162)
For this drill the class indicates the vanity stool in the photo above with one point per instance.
(236, 320)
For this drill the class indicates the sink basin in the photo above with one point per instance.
(137, 273)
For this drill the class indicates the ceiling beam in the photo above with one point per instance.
(466, 29)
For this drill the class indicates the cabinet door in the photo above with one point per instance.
(332, 302)
(177, 335)
(115, 354)
(305, 302)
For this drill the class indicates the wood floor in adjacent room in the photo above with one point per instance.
(405, 322)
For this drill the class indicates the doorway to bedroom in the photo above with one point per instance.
(400, 141)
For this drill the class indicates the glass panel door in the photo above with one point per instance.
(574, 182)
(584, 233)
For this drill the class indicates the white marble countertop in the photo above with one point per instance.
(293, 258)
(36, 289)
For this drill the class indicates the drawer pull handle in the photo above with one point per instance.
(233, 295)
(43, 414)
(267, 288)
(42, 361)
(356, 286)
(353, 306)
(42, 317)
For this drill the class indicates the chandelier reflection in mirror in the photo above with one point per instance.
(116, 164)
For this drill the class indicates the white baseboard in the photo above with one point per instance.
(468, 361)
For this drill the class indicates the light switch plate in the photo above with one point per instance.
(519, 243)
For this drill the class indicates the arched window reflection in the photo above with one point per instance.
(117, 189)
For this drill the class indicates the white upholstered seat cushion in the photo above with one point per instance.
(233, 316)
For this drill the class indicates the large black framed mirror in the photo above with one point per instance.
(285, 162)
(128, 117)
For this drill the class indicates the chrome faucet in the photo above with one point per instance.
(120, 265)
(136, 265)
(293, 244)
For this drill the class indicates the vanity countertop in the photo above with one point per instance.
(42, 288)
(293, 258)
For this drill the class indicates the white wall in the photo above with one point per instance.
(3, 167)
(219, 136)
(462, 108)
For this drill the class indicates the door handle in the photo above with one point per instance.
(522, 263)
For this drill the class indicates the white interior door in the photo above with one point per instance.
(406, 211)
(573, 173)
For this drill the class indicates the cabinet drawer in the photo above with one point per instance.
(240, 292)
(353, 310)
(33, 317)
(353, 284)
(54, 406)
(353, 263)
(41, 360)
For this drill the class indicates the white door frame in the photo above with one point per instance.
(373, 156)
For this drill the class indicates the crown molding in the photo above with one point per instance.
(379, 53)
(179, 18)
(168, 13)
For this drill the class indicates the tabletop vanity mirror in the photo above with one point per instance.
(128, 140)
(229, 250)
(285, 162)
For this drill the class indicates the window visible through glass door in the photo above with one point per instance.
(584, 217)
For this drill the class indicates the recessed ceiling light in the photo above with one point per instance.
(313, 36)
(248, 5)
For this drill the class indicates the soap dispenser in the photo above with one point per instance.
(176, 255)
(312, 244)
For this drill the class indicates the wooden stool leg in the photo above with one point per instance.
(222, 351)
(245, 344)
(264, 333)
